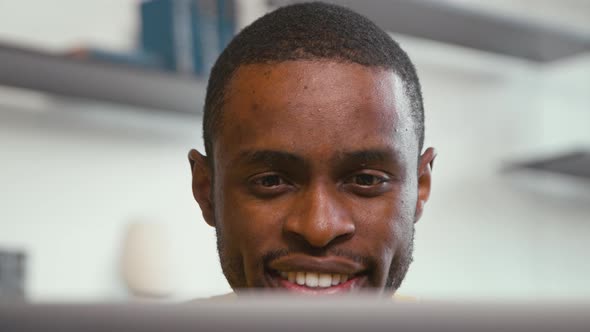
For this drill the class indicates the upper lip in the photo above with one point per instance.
(304, 263)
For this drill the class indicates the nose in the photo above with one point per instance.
(320, 218)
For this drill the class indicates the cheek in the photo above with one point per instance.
(379, 219)
(251, 229)
(404, 227)
(384, 226)
(252, 219)
(374, 220)
(240, 222)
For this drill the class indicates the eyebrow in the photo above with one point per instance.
(367, 156)
(270, 157)
(274, 157)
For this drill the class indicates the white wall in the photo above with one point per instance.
(73, 177)
(483, 232)
(74, 174)
(55, 25)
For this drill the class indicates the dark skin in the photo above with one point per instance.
(316, 168)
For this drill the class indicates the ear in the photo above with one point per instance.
(424, 180)
(202, 182)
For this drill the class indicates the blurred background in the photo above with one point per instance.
(100, 102)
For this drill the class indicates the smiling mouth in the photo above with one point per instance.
(316, 283)
(314, 279)
(315, 275)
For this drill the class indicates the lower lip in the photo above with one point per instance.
(352, 284)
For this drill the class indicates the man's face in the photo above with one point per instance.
(317, 178)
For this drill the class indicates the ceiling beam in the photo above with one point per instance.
(452, 24)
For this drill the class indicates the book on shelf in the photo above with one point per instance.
(183, 36)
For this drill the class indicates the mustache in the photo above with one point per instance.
(276, 254)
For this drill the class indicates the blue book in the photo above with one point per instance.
(166, 31)
(205, 31)
(156, 31)
(187, 35)
(226, 22)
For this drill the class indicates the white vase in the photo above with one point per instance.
(146, 260)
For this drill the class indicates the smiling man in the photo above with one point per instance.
(314, 174)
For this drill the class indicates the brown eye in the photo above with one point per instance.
(269, 185)
(369, 183)
(270, 181)
(366, 180)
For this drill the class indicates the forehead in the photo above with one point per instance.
(314, 108)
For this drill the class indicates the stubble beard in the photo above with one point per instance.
(233, 267)
(400, 265)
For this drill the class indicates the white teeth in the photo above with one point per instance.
(311, 279)
(315, 279)
(325, 280)
(300, 278)
(335, 279)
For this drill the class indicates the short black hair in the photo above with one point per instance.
(309, 31)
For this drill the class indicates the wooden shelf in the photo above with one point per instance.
(135, 86)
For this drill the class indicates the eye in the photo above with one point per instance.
(270, 181)
(369, 183)
(269, 185)
(366, 180)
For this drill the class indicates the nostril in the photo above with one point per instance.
(320, 237)
(319, 218)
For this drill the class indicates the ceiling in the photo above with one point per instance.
(540, 31)
(571, 14)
